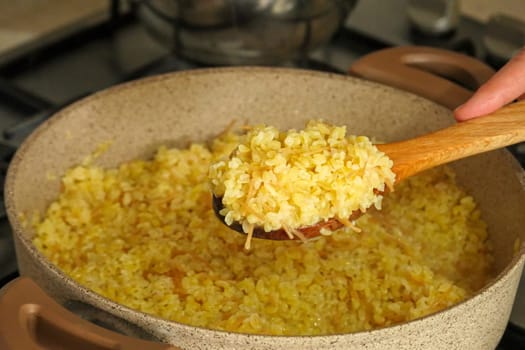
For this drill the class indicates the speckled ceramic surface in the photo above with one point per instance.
(174, 109)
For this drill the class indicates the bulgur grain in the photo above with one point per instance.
(144, 235)
(287, 180)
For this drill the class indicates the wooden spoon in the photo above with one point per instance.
(501, 128)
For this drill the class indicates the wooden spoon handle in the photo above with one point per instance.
(501, 128)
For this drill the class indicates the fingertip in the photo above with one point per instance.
(478, 105)
(464, 112)
(457, 113)
(458, 109)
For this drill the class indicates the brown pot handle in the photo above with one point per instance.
(442, 76)
(31, 320)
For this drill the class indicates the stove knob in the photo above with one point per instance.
(504, 36)
(433, 17)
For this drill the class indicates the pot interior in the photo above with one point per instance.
(136, 118)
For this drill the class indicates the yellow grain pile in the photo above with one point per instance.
(144, 235)
(298, 178)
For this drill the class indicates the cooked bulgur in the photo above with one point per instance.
(144, 235)
(296, 178)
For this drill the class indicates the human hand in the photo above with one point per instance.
(505, 86)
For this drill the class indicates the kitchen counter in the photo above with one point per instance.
(481, 10)
(27, 24)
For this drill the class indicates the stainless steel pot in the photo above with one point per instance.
(193, 105)
(233, 32)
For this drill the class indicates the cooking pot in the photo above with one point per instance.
(194, 105)
(234, 32)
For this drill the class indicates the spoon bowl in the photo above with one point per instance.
(501, 128)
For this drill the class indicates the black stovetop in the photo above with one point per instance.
(39, 82)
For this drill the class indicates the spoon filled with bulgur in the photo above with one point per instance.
(301, 184)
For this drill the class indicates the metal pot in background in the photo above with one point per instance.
(240, 32)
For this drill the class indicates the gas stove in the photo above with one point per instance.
(39, 79)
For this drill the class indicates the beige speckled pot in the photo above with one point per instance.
(195, 105)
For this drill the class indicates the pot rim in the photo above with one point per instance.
(109, 305)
